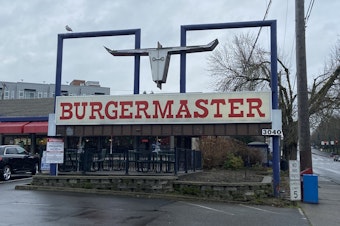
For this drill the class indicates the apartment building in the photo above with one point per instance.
(24, 90)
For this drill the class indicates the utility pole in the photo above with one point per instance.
(302, 92)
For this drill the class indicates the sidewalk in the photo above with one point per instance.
(326, 212)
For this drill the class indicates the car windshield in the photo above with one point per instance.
(13, 150)
(21, 151)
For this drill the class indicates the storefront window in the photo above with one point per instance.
(23, 141)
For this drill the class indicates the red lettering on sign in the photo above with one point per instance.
(96, 107)
(83, 104)
(218, 102)
(125, 110)
(183, 108)
(152, 110)
(113, 113)
(142, 106)
(158, 109)
(199, 104)
(66, 111)
(234, 106)
(255, 103)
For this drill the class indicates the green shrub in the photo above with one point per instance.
(233, 162)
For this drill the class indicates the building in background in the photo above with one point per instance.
(25, 107)
(24, 90)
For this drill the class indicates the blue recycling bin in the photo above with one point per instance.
(310, 188)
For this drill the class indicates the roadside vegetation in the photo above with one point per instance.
(228, 153)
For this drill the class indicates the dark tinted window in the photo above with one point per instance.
(11, 150)
(2, 150)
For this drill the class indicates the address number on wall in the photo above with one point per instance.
(271, 132)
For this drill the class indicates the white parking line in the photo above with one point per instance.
(209, 208)
(302, 214)
(30, 204)
(259, 209)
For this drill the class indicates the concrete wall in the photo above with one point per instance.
(160, 185)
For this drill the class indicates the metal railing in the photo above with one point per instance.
(144, 161)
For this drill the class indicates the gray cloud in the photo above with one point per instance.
(29, 37)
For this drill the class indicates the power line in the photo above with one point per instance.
(259, 32)
(284, 36)
(309, 11)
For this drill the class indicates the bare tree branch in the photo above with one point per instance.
(241, 66)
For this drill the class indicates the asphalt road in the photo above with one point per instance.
(326, 167)
(27, 207)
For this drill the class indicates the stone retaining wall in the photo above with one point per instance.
(154, 184)
(224, 191)
(160, 185)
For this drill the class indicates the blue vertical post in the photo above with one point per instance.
(59, 66)
(137, 63)
(182, 79)
(275, 105)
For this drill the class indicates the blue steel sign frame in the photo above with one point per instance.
(61, 37)
(274, 79)
(184, 29)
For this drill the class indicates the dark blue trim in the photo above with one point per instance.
(137, 63)
(58, 68)
(24, 119)
(183, 62)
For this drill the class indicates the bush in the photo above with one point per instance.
(233, 162)
(215, 151)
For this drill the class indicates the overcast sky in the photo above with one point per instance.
(29, 29)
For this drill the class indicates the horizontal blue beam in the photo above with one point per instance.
(262, 23)
(93, 34)
(23, 119)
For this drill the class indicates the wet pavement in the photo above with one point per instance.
(29, 207)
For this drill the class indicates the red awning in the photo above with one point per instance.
(12, 127)
(36, 127)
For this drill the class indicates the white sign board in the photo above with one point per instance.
(294, 170)
(236, 107)
(277, 119)
(44, 166)
(294, 178)
(55, 150)
(271, 132)
(295, 190)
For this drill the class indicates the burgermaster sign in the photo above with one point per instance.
(184, 108)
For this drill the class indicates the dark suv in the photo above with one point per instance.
(16, 160)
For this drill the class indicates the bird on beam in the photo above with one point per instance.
(68, 28)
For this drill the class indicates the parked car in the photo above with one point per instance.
(16, 160)
(336, 158)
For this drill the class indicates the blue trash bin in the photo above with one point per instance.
(310, 188)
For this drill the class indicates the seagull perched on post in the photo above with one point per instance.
(68, 28)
